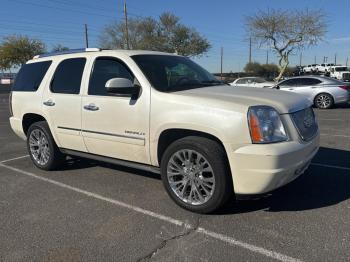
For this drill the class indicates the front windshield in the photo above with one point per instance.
(169, 73)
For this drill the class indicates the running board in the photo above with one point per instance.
(110, 160)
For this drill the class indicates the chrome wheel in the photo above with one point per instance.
(191, 177)
(39, 147)
(323, 101)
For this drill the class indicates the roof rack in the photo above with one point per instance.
(70, 51)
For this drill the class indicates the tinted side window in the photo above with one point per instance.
(308, 81)
(67, 77)
(241, 81)
(289, 82)
(106, 68)
(30, 76)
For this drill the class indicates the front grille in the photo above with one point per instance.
(346, 76)
(305, 122)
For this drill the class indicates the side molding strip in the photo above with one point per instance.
(114, 161)
(101, 133)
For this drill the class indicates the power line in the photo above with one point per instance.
(82, 5)
(50, 26)
(61, 8)
(34, 30)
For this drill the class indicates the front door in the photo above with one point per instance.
(115, 126)
(62, 103)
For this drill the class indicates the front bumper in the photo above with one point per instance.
(258, 169)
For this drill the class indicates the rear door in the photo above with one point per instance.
(304, 86)
(62, 103)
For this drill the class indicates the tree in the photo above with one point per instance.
(59, 48)
(286, 31)
(17, 50)
(4, 63)
(166, 34)
(266, 70)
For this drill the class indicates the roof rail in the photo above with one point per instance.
(70, 51)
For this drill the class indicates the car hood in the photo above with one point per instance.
(283, 102)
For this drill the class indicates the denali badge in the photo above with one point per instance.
(134, 133)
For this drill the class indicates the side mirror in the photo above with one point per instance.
(122, 87)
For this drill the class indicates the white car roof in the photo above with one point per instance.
(89, 51)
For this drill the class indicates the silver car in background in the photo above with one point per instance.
(252, 82)
(324, 92)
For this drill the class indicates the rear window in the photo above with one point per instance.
(30, 76)
(67, 77)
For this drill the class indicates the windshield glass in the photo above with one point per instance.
(169, 73)
(339, 69)
(258, 80)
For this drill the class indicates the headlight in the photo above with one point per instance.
(265, 125)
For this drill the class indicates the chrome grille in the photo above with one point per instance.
(305, 122)
(346, 76)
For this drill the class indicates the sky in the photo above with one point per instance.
(221, 22)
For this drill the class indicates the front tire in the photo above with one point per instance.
(196, 175)
(324, 101)
(42, 148)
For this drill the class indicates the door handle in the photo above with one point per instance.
(91, 107)
(49, 103)
(290, 88)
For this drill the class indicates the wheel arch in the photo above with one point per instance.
(170, 135)
(30, 118)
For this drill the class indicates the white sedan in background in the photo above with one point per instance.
(252, 82)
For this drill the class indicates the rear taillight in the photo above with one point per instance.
(10, 104)
(347, 88)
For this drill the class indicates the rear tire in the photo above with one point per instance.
(196, 174)
(324, 101)
(42, 148)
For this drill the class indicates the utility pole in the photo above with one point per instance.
(267, 57)
(300, 58)
(250, 50)
(315, 59)
(347, 60)
(86, 37)
(335, 59)
(222, 56)
(126, 26)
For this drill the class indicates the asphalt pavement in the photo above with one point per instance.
(91, 211)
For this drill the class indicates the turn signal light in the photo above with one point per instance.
(255, 131)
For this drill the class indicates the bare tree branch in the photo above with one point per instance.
(286, 31)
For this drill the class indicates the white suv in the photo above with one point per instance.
(163, 113)
(340, 72)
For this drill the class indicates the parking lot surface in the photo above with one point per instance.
(95, 211)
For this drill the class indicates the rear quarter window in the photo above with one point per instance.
(30, 76)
